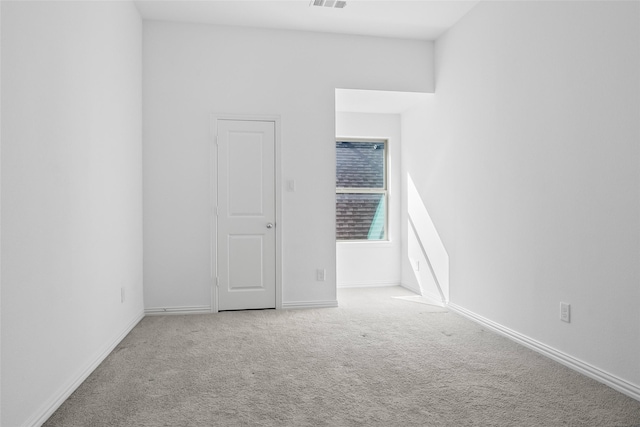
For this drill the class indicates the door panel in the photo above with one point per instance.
(245, 174)
(241, 248)
(246, 238)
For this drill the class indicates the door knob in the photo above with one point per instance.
(269, 225)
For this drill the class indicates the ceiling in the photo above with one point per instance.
(421, 20)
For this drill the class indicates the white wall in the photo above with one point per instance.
(428, 200)
(530, 171)
(373, 263)
(192, 71)
(71, 195)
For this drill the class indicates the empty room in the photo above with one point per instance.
(319, 213)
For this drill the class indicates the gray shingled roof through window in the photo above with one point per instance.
(360, 165)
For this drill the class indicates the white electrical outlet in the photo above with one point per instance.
(565, 312)
(320, 274)
(121, 294)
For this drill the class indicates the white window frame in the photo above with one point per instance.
(361, 190)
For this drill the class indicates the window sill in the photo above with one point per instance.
(368, 243)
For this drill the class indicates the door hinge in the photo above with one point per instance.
(217, 282)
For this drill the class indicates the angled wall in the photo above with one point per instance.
(71, 196)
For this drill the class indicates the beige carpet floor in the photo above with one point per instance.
(374, 361)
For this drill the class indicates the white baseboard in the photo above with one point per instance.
(193, 309)
(345, 285)
(46, 410)
(435, 297)
(584, 368)
(411, 287)
(309, 304)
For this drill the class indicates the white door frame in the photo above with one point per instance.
(213, 190)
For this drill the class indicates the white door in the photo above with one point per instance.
(246, 237)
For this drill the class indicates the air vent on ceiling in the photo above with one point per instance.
(328, 3)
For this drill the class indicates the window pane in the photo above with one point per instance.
(360, 164)
(360, 216)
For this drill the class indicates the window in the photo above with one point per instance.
(361, 190)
